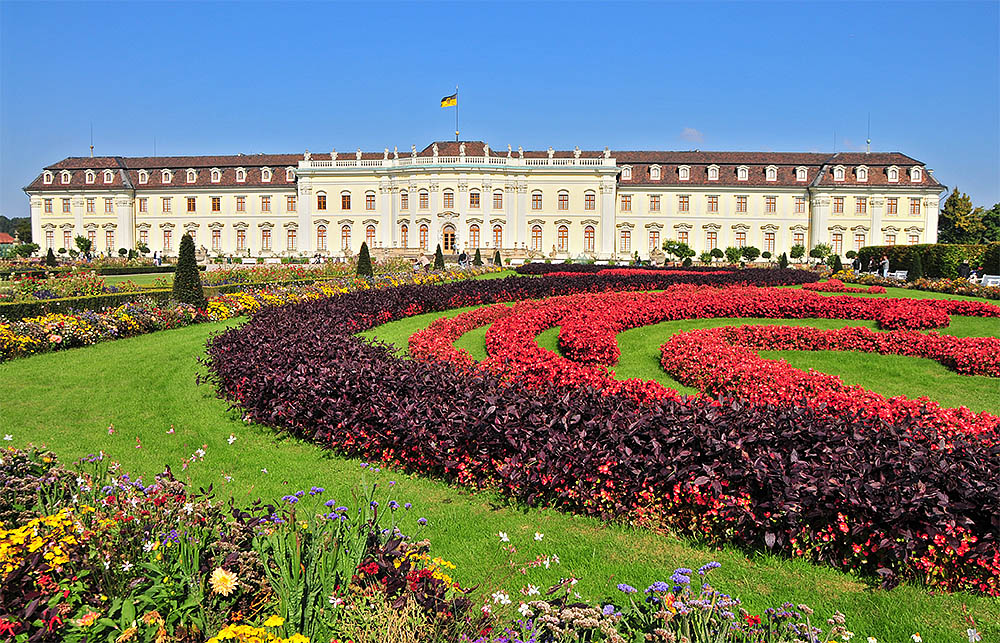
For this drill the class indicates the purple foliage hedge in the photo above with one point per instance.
(537, 268)
(762, 477)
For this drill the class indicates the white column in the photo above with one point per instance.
(304, 238)
(125, 232)
(521, 221)
(932, 206)
(36, 222)
(819, 219)
(510, 212)
(434, 228)
(387, 213)
(606, 248)
(877, 204)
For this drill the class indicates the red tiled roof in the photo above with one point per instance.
(6, 238)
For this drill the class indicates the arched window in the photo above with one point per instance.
(588, 239)
(589, 200)
(563, 200)
(713, 172)
(345, 200)
(741, 174)
(800, 174)
(321, 200)
(370, 235)
(345, 237)
(216, 176)
(321, 237)
(893, 174)
(241, 175)
(47, 179)
(143, 177)
(562, 236)
(536, 200)
(425, 202)
(448, 238)
(64, 177)
(626, 173)
(536, 238)
(289, 174)
(404, 236)
(109, 176)
(916, 176)
(423, 236)
(838, 174)
(771, 174)
(498, 200)
(498, 236)
(192, 176)
(862, 174)
(369, 201)
(474, 235)
(684, 173)
(166, 176)
(449, 199)
(404, 200)
(265, 175)
(91, 177)
(654, 173)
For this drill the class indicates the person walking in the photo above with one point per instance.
(883, 267)
(964, 270)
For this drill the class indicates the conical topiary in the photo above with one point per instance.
(365, 262)
(50, 258)
(187, 279)
(916, 268)
(497, 261)
(478, 259)
(783, 261)
(438, 258)
(837, 264)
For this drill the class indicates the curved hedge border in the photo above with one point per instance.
(787, 479)
(546, 268)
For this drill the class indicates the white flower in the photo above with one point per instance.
(200, 453)
(149, 546)
(127, 566)
(264, 471)
(504, 538)
(335, 600)
(974, 636)
(524, 610)
(872, 639)
(189, 507)
(107, 564)
(916, 638)
(487, 610)
(8, 437)
(133, 501)
(80, 482)
(501, 598)
(533, 590)
(539, 536)
(848, 635)
(232, 438)
(555, 559)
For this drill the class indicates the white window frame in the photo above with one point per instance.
(771, 173)
(47, 177)
(289, 174)
(684, 173)
(654, 173)
(862, 174)
(192, 176)
(892, 174)
(143, 177)
(265, 175)
(241, 175)
(839, 173)
(916, 175)
(627, 173)
(91, 177)
(801, 174)
(216, 175)
(742, 173)
(166, 176)
(109, 176)
(65, 176)
(713, 172)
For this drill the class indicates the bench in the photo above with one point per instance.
(248, 261)
(272, 260)
(990, 280)
(899, 274)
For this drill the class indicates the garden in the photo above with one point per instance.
(575, 453)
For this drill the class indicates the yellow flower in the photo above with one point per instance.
(222, 582)
(298, 638)
(87, 619)
(274, 621)
(127, 635)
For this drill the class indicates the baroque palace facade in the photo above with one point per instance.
(531, 204)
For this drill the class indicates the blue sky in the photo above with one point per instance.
(240, 77)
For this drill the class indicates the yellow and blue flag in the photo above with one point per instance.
(450, 101)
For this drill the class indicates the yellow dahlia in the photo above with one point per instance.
(222, 582)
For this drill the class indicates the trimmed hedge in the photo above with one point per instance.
(19, 310)
(938, 259)
(104, 272)
(545, 268)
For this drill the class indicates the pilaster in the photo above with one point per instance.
(304, 238)
(607, 244)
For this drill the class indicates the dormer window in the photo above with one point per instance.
(216, 175)
(65, 177)
(143, 177)
(893, 174)
(801, 173)
(684, 173)
(626, 173)
(192, 176)
(654, 173)
(241, 175)
(916, 175)
(742, 172)
(91, 176)
(862, 174)
(265, 175)
(289, 174)
(109, 176)
(713, 172)
(771, 173)
(47, 178)
(838, 173)
(166, 176)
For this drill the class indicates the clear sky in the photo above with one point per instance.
(282, 77)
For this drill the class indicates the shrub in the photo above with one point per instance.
(478, 259)
(364, 261)
(797, 251)
(835, 264)
(850, 254)
(187, 281)
(50, 258)
(705, 257)
(915, 270)
(733, 254)
(687, 262)
(937, 259)
(497, 261)
(750, 253)
(783, 261)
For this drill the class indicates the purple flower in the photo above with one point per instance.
(364, 464)
(704, 569)
(407, 506)
(681, 577)
(627, 589)
(290, 499)
(421, 521)
(393, 505)
(374, 505)
(316, 490)
(340, 509)
(658, 587)
(608, 610)
(329, 503)
(299, 494)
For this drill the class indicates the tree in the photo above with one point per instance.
(50, 258)
(991, 224)
(958, 222)
(717, 253)
(122, 252)
(705, 257)
(83, 243)
(850, 254)
(478, 259)
(365, 261)
(750, 253)
(438, 258)
(783, 261)
(835, 264)
(187, 279)
(733, 254)
(916, 268)
(677, 249)
(797, 251)
(143, 249)
(765, 255)
(23, 230)
(687, 262)
(820, 252)
(25, 250)
(497, 261)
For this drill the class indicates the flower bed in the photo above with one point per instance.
(948, 286)
(836, 285)
(853, 491)
(590, 268)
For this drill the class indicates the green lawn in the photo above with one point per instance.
(144, 279)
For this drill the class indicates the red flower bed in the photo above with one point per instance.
(836, 285)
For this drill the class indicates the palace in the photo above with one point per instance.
(465, 195)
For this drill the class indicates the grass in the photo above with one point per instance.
(143, 279)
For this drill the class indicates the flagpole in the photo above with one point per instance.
(456, 113)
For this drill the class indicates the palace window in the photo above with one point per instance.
(914, 239)
(290, 238)
(404, 200)
(241, 175)
(144, 237)
(90, 205)
(564, 200)
(190, 204)
(625, 241)
(345, 238)
(241, 204)
(711, 240)
(143, 204)
(216, 239)
(65, 206)
(916, 176)
(216, 176)
(862, 174)
(321, 201)
(265, 175)
(404, 236)
(109, 240)
(193, 233)
(562, 238)
(801, 174)
(626, 173)
(682, 236)
(192, 176)
(47, 178)
(265, 239)
(713, 172)
(290, 203)
(915, 207)
(536, 200)
(50, 239)
(893, 174)
(369, 201)
(626, 203)
(345, 200)
(165, 204)
(474, 199)
(799, 239)
(588, 239)
(838, 205)
(498, 236)
(713, 203)
(654, 173)
(143, 177)
(654, 240)
(800, 205)
(654, 202)
(47, 203)
(771, 174)
(321, 237)
(536, 238)
(684, 203)
(64, 176)
(166, 176)
(838, 174)
(109, 206)
(109, 176)
(289, 174)
(91, 176)
(217, 204)
(474, 235)
(859, 240)
(741, 204)
(498, 200)
(770, 204)
(892, 205)
(370, 235)
(67, 239)
(241, 239)
(265, 204)
(423, 236)
(741, 239)
(92, 236)
(168, 240)
(589, 201)
(742, 173)
(837, 241)
(890, 239)
(861, 205)
(684, 173)
(424, 200)
(449, 199)
(769, 242)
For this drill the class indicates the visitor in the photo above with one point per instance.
(964, 270)
(883, 267)
(425, 263)
(416, 265)
(463, 260)
(856, 264)
(871, 265)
